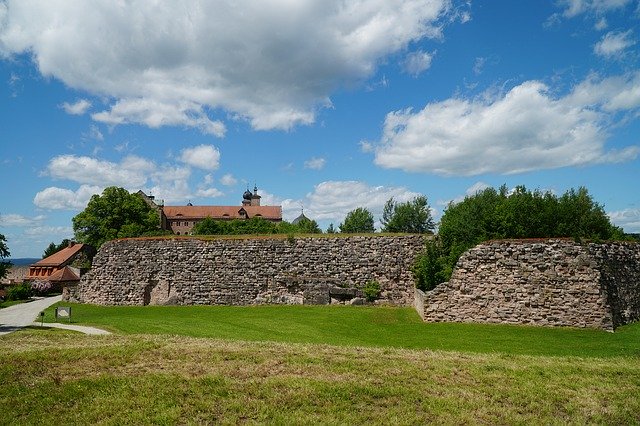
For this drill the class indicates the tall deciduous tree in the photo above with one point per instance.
(114, 214)
(413, 216)
(4, 253)
(358, 220)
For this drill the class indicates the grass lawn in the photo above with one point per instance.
(314, 365)
(51, 376)
(354, 326)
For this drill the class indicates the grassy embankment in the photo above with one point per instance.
(300, 365)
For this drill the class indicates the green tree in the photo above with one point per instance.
(53, 248)
(4, 253)
(114, 214)
(491, 214)
(358, 220)
(413, 216)
(331, 229)
(308, 226)
(208, 226)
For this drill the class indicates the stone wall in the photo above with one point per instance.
(551, 282)
(190, 271)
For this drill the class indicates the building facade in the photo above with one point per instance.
(181, 219)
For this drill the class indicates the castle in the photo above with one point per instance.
(181, 219)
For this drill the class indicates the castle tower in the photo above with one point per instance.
(255, 198)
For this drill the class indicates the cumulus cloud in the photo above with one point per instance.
(206, 157)
(54, 198)
(77, 108)
(315, 163)
(209, 192)
(613, 44)
(228, 180)
(272, 63)
(417, 62)
(332, 200)
(131, 172)
(20, 220)
(627, 219)
(525, 129)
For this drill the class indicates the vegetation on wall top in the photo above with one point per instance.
(499, 214)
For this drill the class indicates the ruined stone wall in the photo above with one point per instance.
(190, 271)
(552, 282)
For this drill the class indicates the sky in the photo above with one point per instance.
(324, 105)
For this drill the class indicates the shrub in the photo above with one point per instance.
(41, 287)
(19, 291)
(371, 290)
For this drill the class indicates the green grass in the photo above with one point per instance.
(7, 303)
(355, 326)
(51, 377)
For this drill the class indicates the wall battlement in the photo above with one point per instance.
(550, 282)
(250, 271)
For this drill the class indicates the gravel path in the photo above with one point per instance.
(25, 314)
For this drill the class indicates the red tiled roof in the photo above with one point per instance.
(222, 212)
(64, 274)
(60, 257)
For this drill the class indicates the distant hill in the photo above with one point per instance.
(23, 261)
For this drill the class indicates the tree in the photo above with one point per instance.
(358, 220)
(491, 214)
(4, 253)
(412, 217)
(331, 229)
(53, 248)
(114, 214)
(308, 226)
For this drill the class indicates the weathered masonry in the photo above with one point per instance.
(551, 282)
(190, 271)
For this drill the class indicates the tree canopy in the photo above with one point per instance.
(358, 220)
(114, 214)
(53, 248)
(4, 253)
(253, 226)
(499, 214)
(412, 217)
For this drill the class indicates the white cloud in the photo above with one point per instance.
(19, 220)
(417, 62)
(628, 219)
(131, 172)
(315, 163)
(56, 233)
(601, 24)
(156, 114)
(78, 108)
(206, 157)
(574, 8)
(611, 94)
(94, 133)
(478, 65)
(332, 200)
(366, 146)
(272, 63)
(522, 130)
(209, 192)
(228, 180)
(54, 198)
(613, 44)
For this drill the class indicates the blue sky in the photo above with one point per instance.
(330, 105)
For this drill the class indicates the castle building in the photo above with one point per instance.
(181, 219)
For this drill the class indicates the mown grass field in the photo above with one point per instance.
(314, 365)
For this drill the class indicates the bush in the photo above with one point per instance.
(19, 291)
(41, 287)
(371, 290)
